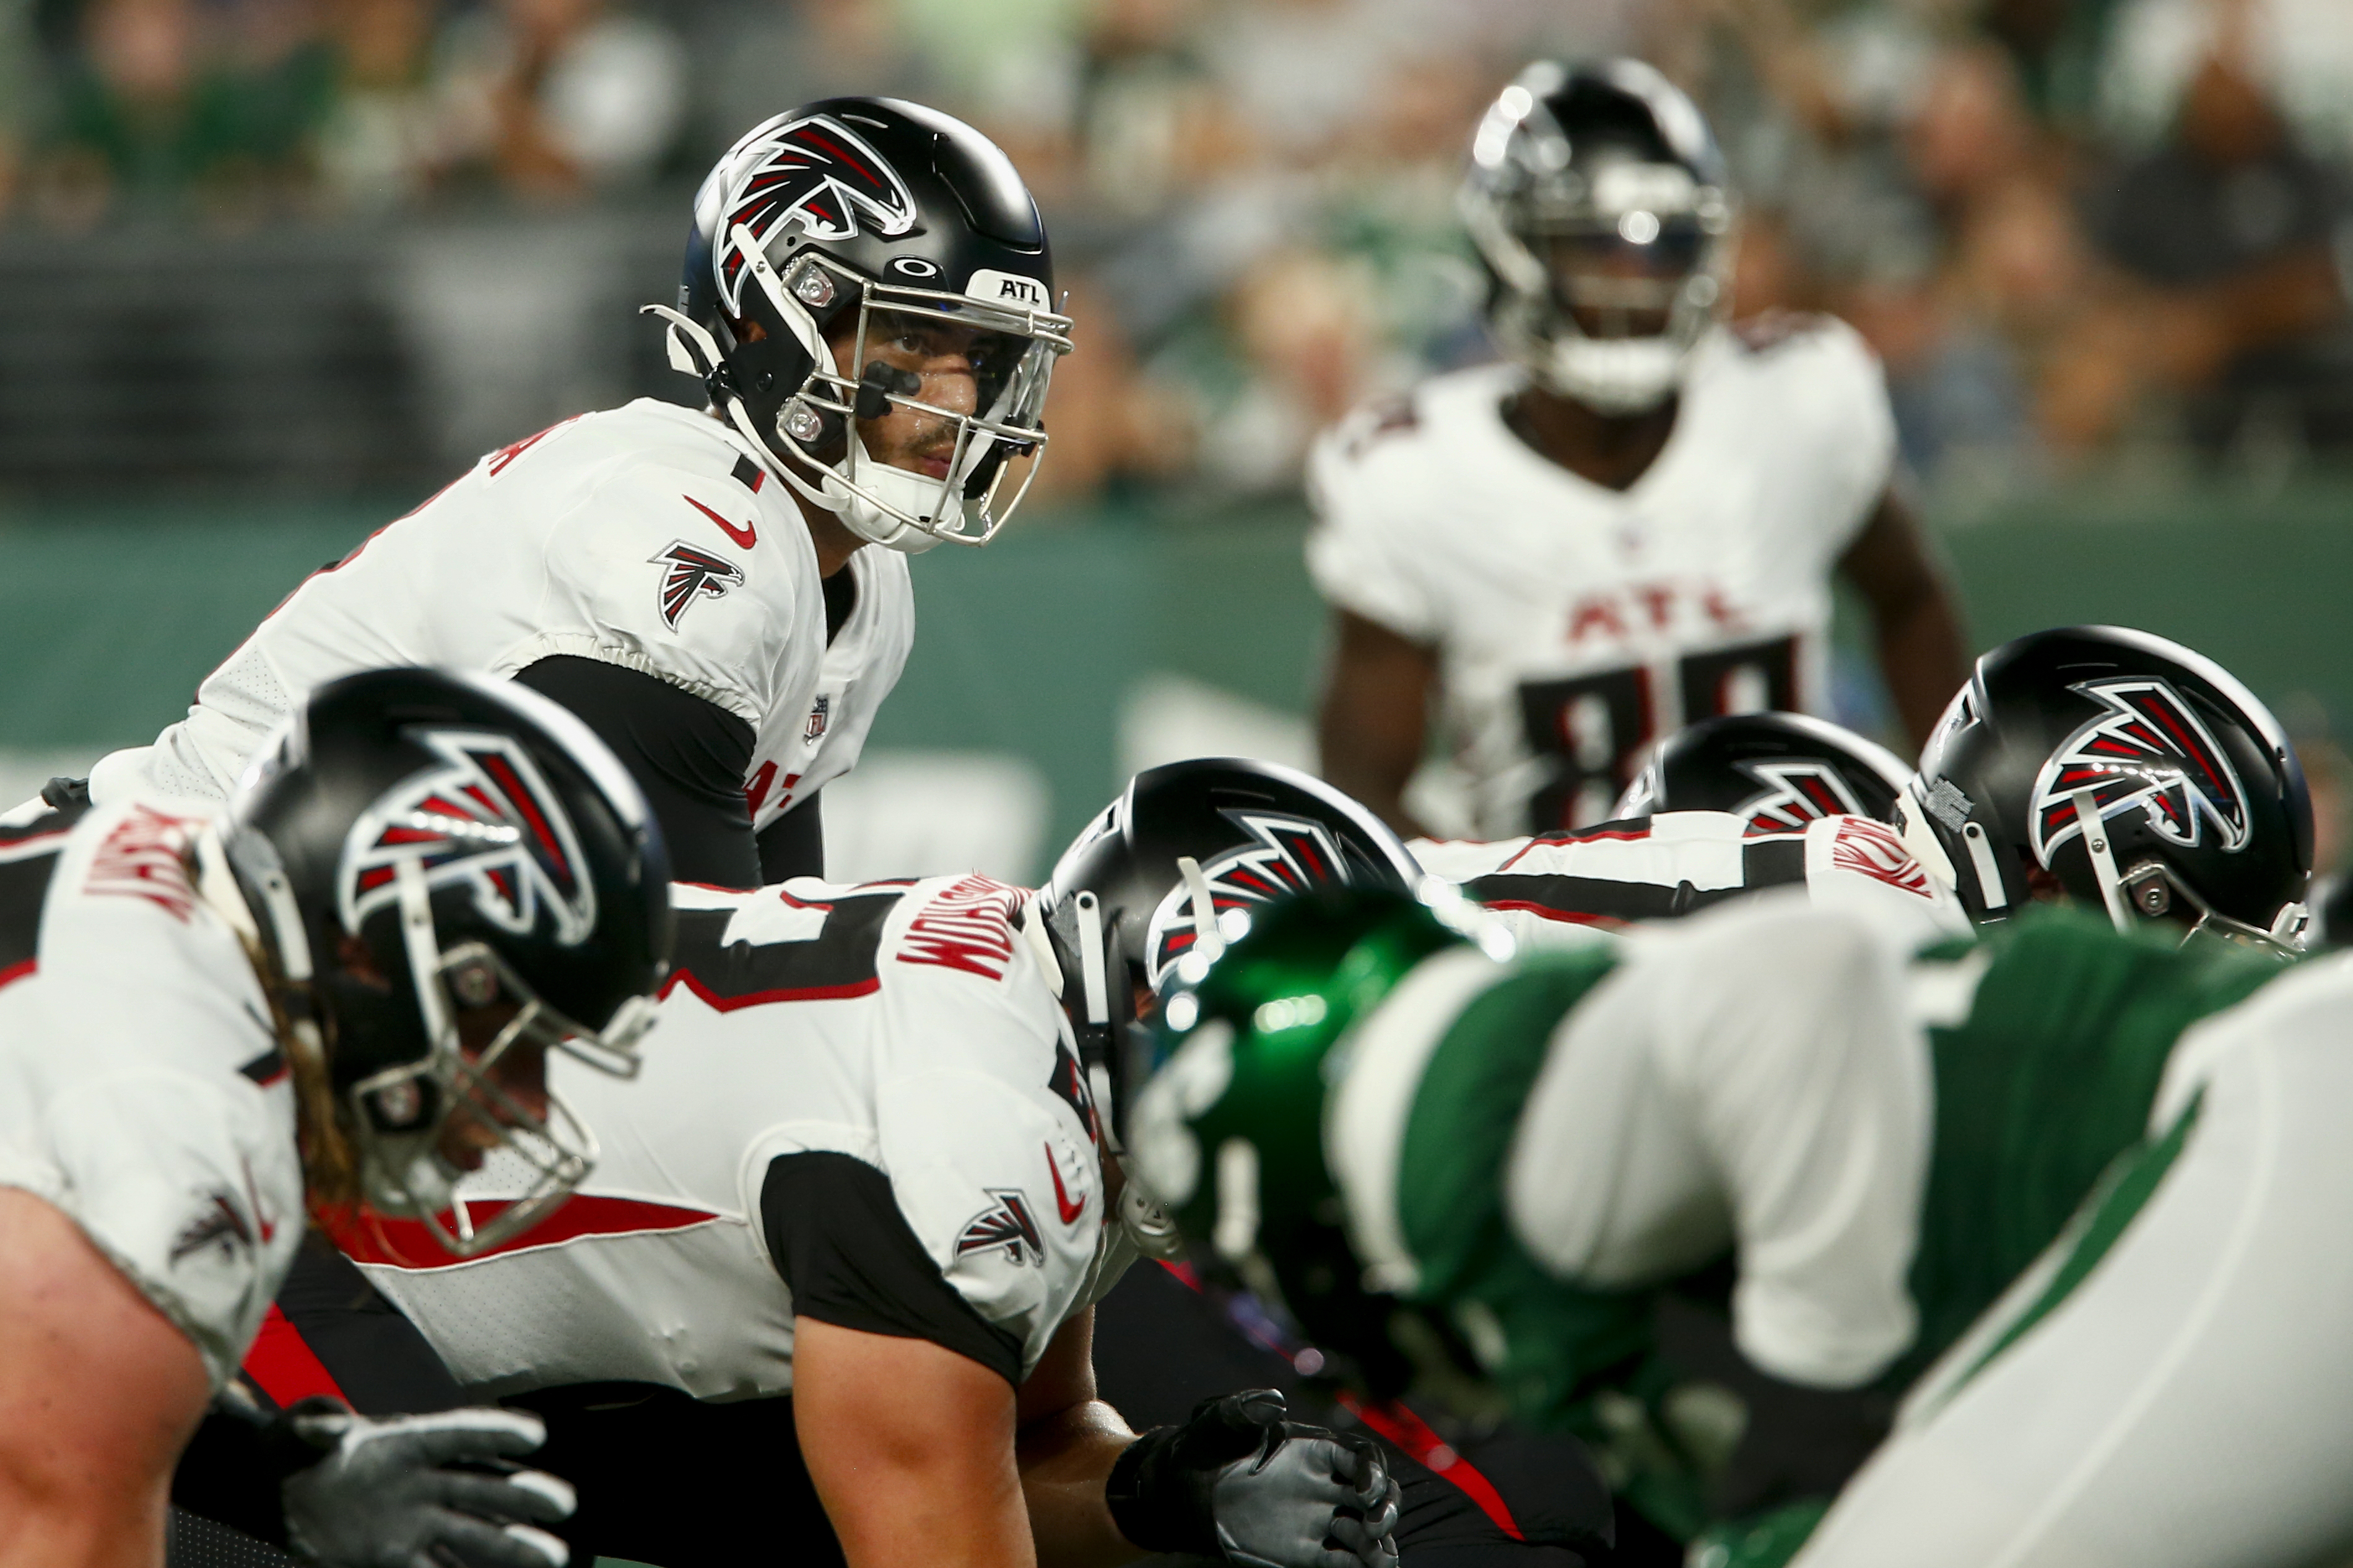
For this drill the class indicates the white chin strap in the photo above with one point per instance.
(913, 493)
(1615, 375)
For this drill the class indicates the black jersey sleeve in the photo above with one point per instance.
(794, 845)
(850, 1258)
(688, 754)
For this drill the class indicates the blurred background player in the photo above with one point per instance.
(1635, 523)
(868, 299)
(343, 990)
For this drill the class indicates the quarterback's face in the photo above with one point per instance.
(1621, 283)
(954, 369)
(518, 1075)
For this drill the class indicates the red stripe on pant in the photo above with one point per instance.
(1407, 1431)
(282, 1363)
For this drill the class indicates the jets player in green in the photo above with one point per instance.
(1446, 1162)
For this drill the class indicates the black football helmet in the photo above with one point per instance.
(909, 224)
(1597, 187)
(482, 846)
(1776, 771)
(1166, 876)
(2194, 803)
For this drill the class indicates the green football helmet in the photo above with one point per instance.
(1228, 1131)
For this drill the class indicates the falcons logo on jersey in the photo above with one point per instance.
(484, 820)
(818, 173)
(2149, 749)
(1286, 855)
(690, 574)
(1796, 792)
(1007, 1223)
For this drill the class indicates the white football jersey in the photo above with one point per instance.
(142, 1088)
(1549, 889)
(911, 1027)
(647, 536)
(1575, 623)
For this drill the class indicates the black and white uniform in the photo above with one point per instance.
(142, 1092)
(1557, 888)
(637, 564)
(865, 1107)
(1575, 623)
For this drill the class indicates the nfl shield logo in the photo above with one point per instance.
(814, 728)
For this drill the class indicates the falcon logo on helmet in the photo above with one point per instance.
(1795, 793)
(2149, 749)
(487, 821)
(1289, 855)
(818, 173)
(694, 573)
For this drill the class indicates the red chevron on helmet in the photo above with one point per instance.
(818, 173)
(485, 820)
(1796, 792)
(2148, 749)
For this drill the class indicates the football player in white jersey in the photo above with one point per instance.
(1633, 522)
(864, 1191)
(1724, 809)
(866, 299)
(212, 1028)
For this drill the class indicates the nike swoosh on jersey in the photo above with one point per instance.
(744, 536)
(1071, 1211)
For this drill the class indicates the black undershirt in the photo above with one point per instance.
(845, 1251)
(689, 756)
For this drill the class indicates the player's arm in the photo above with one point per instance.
(688, 754)
(1915, 620)
(1067, 1442)
(1374, 717)
(911, 1446)
(97, 1393)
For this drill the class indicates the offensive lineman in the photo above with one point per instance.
(1531, 1152)
(1633, 524)
(1723, 808)
(857, 1213)
(866, 298)
(344, 987)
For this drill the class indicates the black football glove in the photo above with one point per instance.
(390, 1492)
(1237, 1481)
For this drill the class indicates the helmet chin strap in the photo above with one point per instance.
(290, 944)
(2105, 870)
(1615, 375)
(1094, 1001)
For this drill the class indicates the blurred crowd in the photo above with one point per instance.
(2073, 229)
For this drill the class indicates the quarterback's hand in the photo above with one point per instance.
(1239, 1481)
(386, 1492)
